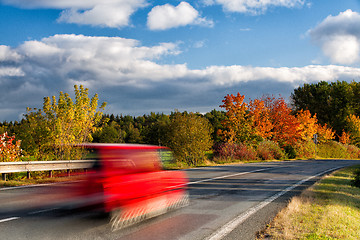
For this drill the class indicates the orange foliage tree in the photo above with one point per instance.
(261, 121)
(268, 118)
(285, 126)
(237, 125)
(344, 138)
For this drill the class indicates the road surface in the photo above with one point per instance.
(226, 202)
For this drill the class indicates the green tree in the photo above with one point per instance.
(216, 118)
(35, 135)
(109, 133)
(331, 102)
(155, 128)
(189, 136)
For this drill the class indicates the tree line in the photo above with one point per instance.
(263, 128)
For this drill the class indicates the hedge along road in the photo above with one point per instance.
(226, 202)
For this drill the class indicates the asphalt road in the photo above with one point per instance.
(226, 202)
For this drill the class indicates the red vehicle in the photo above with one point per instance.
(130, 182)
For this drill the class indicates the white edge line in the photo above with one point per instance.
(220, 177)
(42, 211)
(231, 175)
(228, 227)
(8, 219)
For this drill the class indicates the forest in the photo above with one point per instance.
(242, 130)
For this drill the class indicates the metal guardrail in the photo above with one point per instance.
(15, 167)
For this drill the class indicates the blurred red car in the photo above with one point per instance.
(130, 182)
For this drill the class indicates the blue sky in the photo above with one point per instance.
(145, 56)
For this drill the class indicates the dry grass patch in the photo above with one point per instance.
(328, 210)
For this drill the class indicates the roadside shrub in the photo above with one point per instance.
(189, 136)
(356, 181)
(332, 149)
(290, 152)
(230, 152)
(269, 150)
(353, 151)
(304, 149)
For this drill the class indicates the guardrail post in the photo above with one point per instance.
(47, 166)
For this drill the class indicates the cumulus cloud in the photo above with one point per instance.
(253, 6)
(168, 16)
(7, 54)
(109, 13)
(339, 37)
(128, 76)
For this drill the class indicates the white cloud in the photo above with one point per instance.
(253, 6)
(10, 72)
(126, 74)
(109, 13)
(7, 54)
(199, 44)
(168, 16)
(339, 37)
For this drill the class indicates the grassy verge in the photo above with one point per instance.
(19, 179)
(328, 210)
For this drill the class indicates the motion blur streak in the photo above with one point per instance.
(128, 181)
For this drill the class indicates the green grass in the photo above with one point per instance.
(328, 210)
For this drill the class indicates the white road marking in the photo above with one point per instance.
(42, 211)
(231, 175)
(220, 177)
(228, 227)
(8, 219)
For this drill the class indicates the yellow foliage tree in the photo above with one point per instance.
(325, 133)
(65, 123)
(354, 128)
(308, 124)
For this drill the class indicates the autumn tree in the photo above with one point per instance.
(325, 133)
(345, 138)
(260, 116)
(61, 123)
(10, 149)
(354, 129)
(285, 125)
(237, 124)
(308, 125)
(189, 136)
